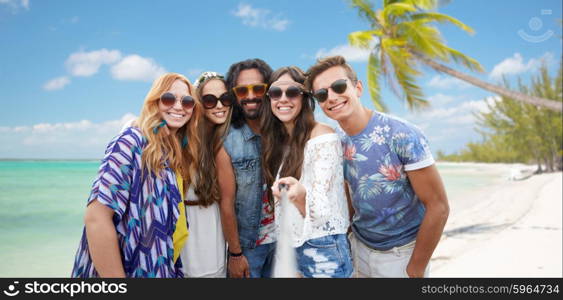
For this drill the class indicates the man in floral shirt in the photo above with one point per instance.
(400, 205)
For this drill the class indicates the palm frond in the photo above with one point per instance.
(441, 18)
(389, 2)
(390, 78)
(365, 10)
(462, 59)
(424, 38)
(374, 69)
(404, 73)
(363, 39)
(412, 92)
(380, 19)
(386, 70)
(397, 9)
(424, 4)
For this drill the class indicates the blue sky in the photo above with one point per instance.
(71, 72)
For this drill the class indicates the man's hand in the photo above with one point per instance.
(238, 267)
(415, 271)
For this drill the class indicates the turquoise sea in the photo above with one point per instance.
(42, 206)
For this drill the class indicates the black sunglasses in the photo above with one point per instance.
(275, 92)
(210, 101)
(168, 99)
(339, 87)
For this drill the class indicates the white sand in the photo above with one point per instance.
(513, 230)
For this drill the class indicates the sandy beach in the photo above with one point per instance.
(511, 228)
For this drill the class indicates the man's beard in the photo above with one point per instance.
(254, 113)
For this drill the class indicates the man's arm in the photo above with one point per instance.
(429, 188)
(351, 210)
(238, 266)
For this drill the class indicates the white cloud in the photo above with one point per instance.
(82, 139)
(279, 25)
(135, 67)
(450, 127)
(20, 129)
(56, 83)
(447, 82)
(48, 127)
(516, 65)
(258, 17)
(88, 63)
(454, 114)
(130, 67)
(16, 4)
(440, 121)
(352, 54)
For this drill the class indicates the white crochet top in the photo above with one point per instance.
(323, 177)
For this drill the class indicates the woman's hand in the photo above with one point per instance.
(296, 192)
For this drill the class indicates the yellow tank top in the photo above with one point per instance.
(180, 235)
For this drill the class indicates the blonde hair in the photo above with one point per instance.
(163, 147)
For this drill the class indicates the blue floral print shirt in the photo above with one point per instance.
(387, 211)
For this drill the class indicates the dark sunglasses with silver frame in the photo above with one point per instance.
(168, 99)
(275, 93)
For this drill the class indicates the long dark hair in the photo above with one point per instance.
(275, 136)
(211, 136)
(232, 75)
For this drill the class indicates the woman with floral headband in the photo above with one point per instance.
(306, 154)
(204, 253)
(135, 221)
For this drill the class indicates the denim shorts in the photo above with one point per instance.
(325, 257)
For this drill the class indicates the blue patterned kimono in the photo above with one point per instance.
(146, 210)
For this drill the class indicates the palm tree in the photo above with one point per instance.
(402, 37)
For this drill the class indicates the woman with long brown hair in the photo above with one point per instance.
(135, 222)
(205, 252)
(307, 153)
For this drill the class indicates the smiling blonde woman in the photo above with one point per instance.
(134, 223)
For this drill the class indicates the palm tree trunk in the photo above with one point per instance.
(546, 163)
(551, 104)
(538, 170)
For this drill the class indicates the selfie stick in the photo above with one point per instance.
(285, 262)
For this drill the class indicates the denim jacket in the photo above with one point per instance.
(244, 148)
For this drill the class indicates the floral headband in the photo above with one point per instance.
(205, 76)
